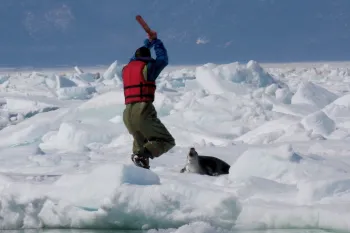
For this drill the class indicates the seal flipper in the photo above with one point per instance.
(209, 171)
(183, 170)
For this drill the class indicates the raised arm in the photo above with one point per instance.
(161, 61)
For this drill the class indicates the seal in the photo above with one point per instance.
(204, 165)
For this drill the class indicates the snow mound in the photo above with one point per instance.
(32, 129)
(277, 165)
(257, 75)
(183, 78)
(311, 94)
(28, 211)
(148, 206)
(101, 107)
(163, 104)
(310, 192)
(284, 95)
(282, 165)
(28, 107)
(19, 212)
(319, 123)
(251, 73)
(104, 100)
(34, 83)
(339, 109)
(271, 89)
(260, 215)
(76, 136)
(268, 132)
(74, 187)
(298, 110)
(297, 133)
(118, 196)
(67, 93)
(211, 82)
(222, 78)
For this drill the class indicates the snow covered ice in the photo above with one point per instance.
(65, 153)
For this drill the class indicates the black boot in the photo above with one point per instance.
(142, 159)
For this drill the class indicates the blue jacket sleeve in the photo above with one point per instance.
(161, 61)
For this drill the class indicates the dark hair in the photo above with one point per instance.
(143, 52)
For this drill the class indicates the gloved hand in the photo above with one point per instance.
(152, 35)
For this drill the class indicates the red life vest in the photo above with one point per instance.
(136, 88)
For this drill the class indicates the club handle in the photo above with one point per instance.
(143, 23)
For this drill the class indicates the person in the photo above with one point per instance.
(151, 138)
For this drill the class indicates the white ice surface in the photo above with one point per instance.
(65, 153)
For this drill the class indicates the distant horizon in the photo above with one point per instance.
(302, 64)
(224, 61)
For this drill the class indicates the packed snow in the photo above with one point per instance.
(285, 130)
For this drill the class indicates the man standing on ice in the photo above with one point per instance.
(151, 138)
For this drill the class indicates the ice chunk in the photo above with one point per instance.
(63, 82)
(339, 109)
(75, 92)
(319, 123)
(90, 189)
(111, 72)
(75, 136)
(311, 94)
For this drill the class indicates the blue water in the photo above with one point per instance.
(129, 231)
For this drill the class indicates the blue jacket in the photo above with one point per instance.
(154, 66)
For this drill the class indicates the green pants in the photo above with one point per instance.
(147, 130)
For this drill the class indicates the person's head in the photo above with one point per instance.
(143, 52)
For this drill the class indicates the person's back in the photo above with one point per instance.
(151, 138)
